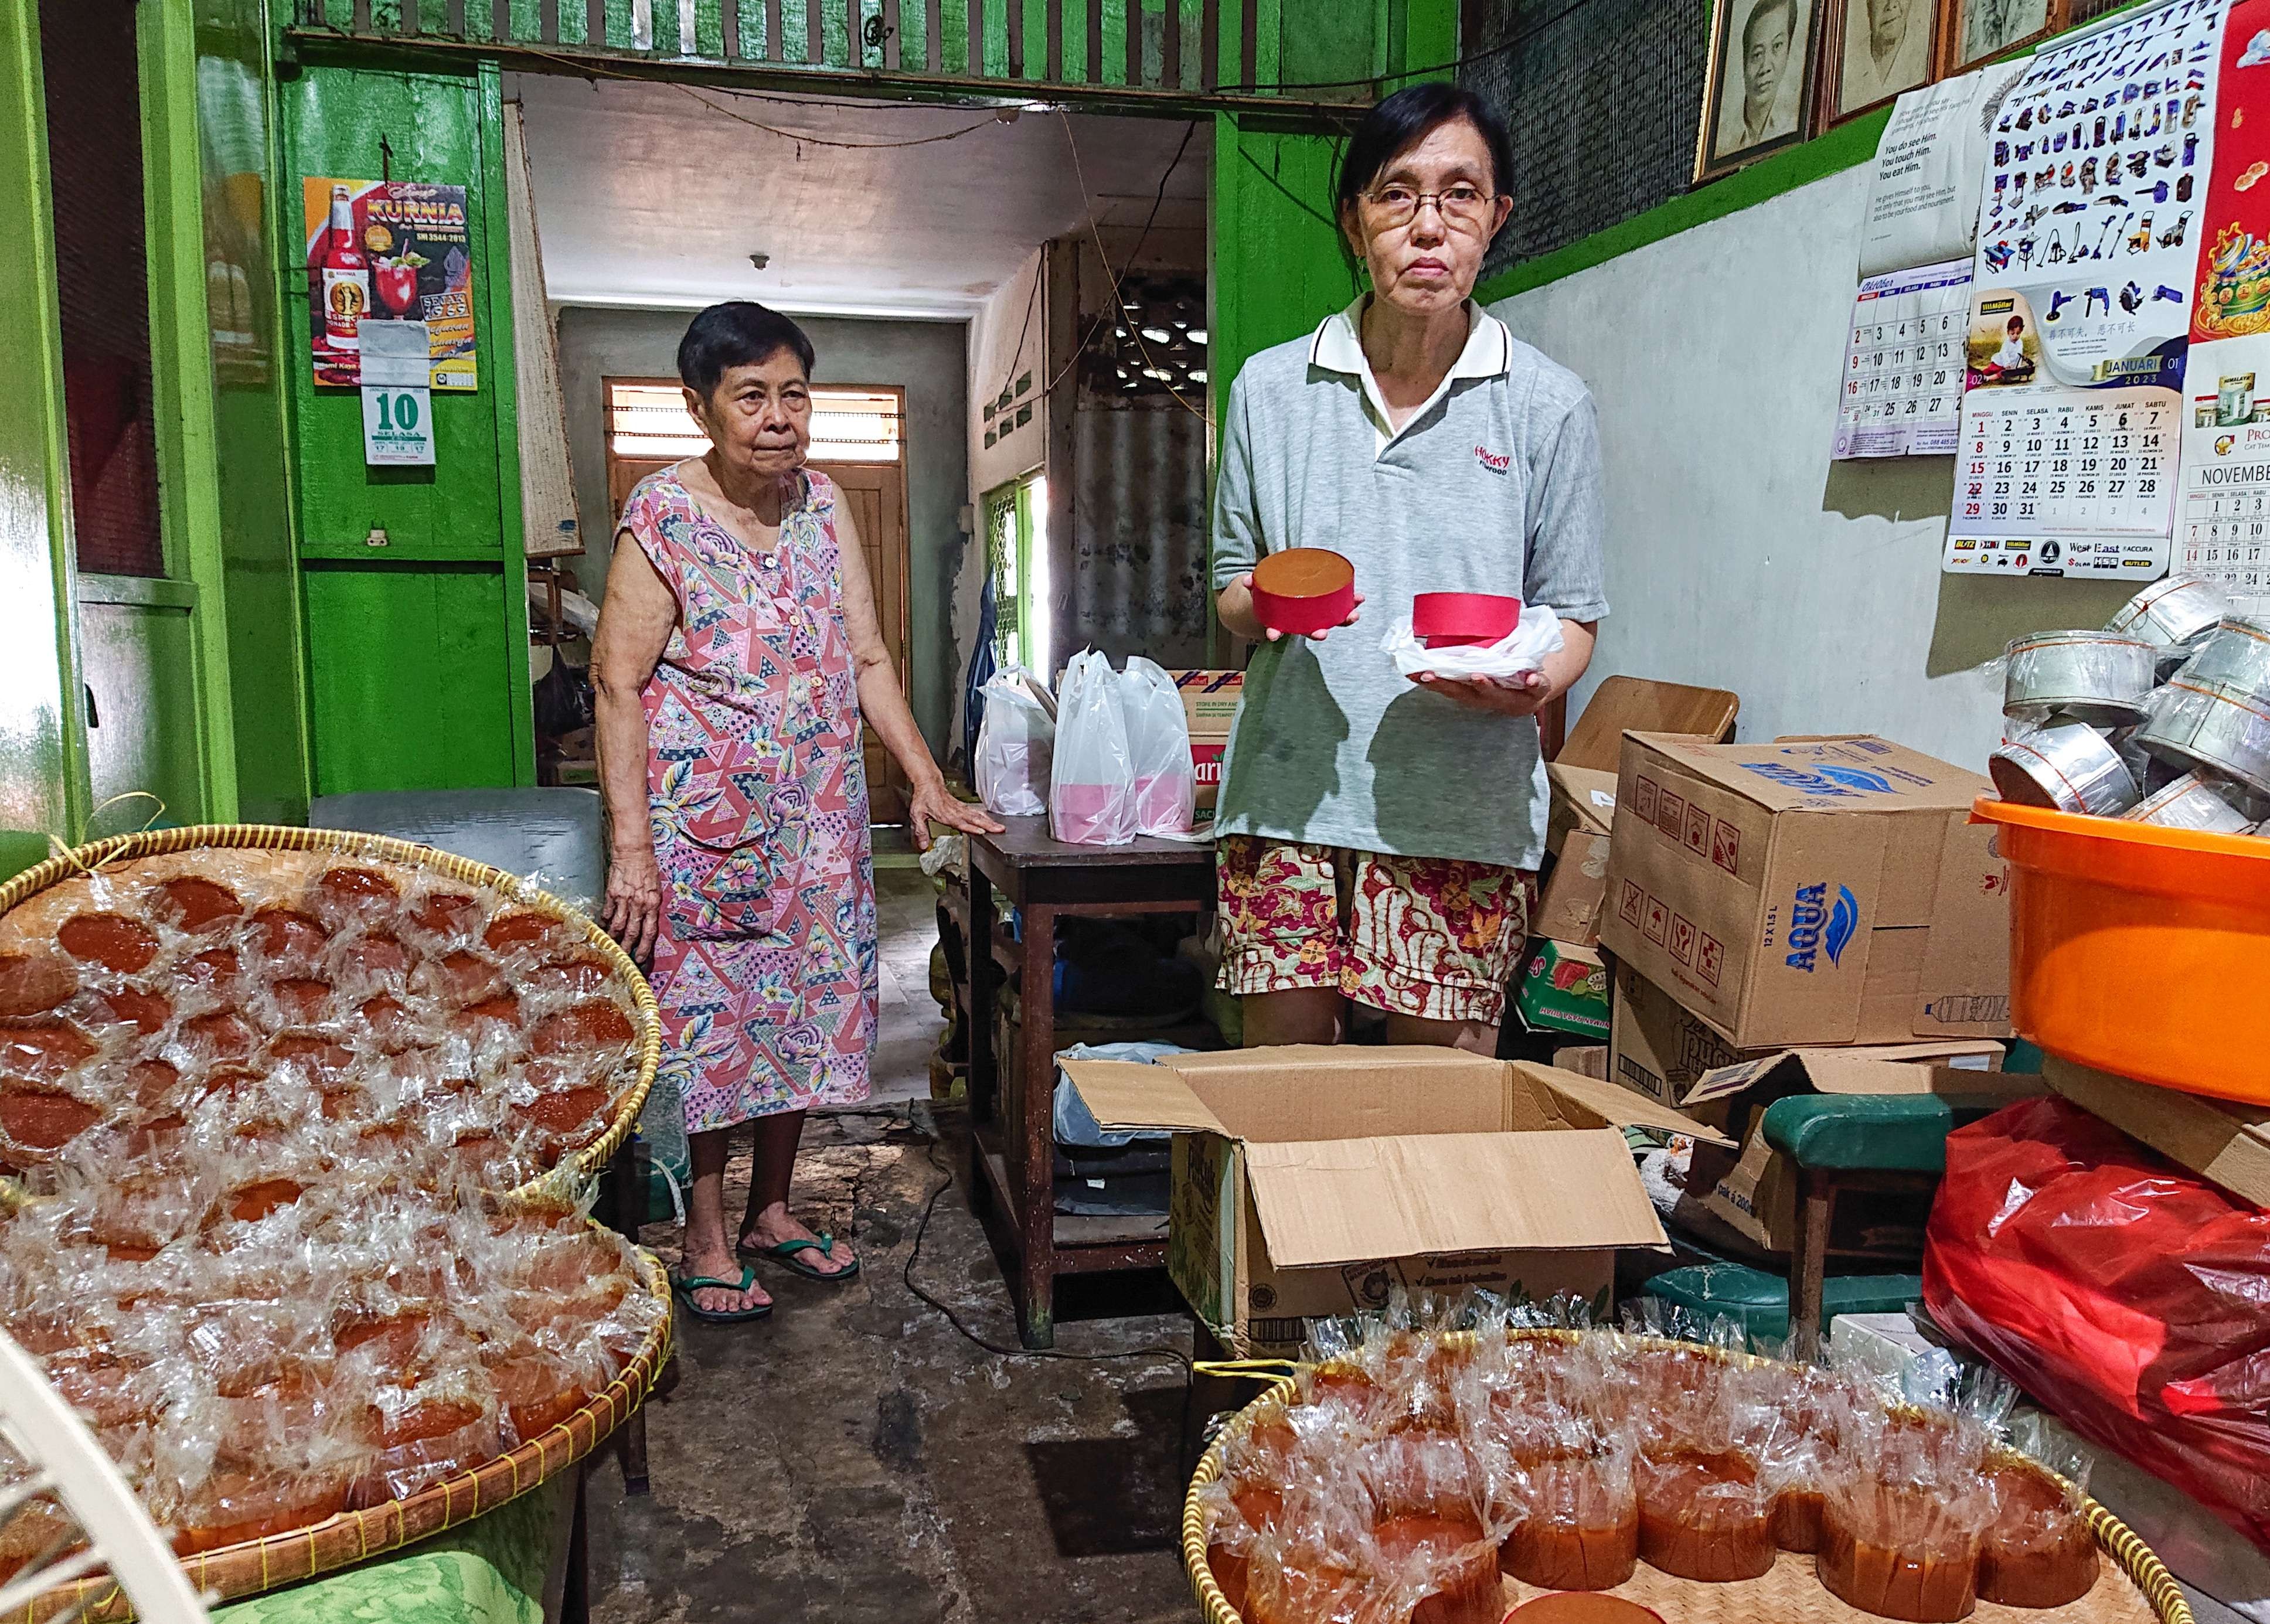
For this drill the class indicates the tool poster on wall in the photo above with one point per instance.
(388, 250)
(1903, 363)
(2081, 305)
(2223, 529)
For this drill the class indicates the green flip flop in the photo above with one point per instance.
(684, 1286)
(785, 1255)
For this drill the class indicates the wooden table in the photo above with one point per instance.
(1012, 1137)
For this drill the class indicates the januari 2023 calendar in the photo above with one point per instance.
(2089, 236)
(2077, 481)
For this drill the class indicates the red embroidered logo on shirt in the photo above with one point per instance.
(1491, 460)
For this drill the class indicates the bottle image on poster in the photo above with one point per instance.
(2081, 310)
(2222, 531)
(388, 251)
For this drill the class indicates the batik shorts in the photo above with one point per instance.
(1435, 938)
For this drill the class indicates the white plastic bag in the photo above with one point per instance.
(1518, 652)
(1159, 745)
(1092, 781)
(1015, 742)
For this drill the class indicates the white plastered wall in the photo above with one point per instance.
(1738, 555)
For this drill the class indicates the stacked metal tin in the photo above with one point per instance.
(2163, 717)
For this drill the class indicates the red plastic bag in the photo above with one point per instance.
(2129, 1296)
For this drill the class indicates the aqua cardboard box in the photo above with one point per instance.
(1809, 891)
(1313, 1182)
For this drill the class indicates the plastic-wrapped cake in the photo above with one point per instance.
(259, 1102)
(223, 994)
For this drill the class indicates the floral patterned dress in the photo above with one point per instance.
(765, 965)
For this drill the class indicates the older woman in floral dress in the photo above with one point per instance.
(736, 653)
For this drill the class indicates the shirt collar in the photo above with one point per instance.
(1337, 345)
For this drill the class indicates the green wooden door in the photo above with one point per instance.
(414, 578)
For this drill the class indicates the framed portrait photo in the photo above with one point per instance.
(1978, 31)
(1760, 90)
(1878, 48)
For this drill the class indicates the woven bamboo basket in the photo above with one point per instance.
(235, 1571)
(1788, 1595)
(571, 1175)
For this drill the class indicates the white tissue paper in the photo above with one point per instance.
(1518, 652)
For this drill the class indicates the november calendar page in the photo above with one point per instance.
(2080, 317)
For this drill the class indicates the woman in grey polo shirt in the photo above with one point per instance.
(1381, 836)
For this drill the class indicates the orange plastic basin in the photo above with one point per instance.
(2138, 950)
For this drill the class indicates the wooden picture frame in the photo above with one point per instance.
(1914, 62)
(1730, 138)
(1959, 53)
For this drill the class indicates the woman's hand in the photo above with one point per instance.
(1271, 634)
(632, 913)
(1523, 695)
(931, 804)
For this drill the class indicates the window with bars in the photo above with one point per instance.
(647, 421)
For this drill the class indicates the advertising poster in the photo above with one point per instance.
(2080, 314)
(2224, 531)
(1923, 198)
(388, 250)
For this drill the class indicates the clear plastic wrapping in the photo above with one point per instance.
(1429, 1452)
(261, 1098)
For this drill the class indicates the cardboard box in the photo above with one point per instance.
(1754, 1192)
(1210, 700)
(1585, 1060)
(1813, 892)
(1296, 1168)
(1662, 1050)
(1562, 987)
(1580, 798)
(2221, 1140)
(1570, 910)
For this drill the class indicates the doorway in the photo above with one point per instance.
(858, 441)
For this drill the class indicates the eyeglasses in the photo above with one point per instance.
(1464, 207)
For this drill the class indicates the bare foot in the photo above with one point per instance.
(720, 1264)
(776, 1226)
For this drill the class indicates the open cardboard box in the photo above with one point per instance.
(1754, 1192)
(1311, 1181)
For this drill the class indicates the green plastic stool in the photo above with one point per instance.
(1759, 1302)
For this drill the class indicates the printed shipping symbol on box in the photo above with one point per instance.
(1818, 891)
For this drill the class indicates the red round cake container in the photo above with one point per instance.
(1303, 590)
(1457, 619)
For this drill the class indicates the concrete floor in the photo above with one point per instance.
(854, 1459)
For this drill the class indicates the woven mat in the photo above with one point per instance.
(1792, 1594)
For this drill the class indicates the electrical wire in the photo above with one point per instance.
(914, 1255)
(1116, 312)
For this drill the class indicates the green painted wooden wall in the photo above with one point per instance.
(417, 651)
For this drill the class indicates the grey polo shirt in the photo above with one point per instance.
(1493, 485)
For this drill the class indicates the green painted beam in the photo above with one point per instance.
(502, 381)
(181, 375)
(43, 782)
